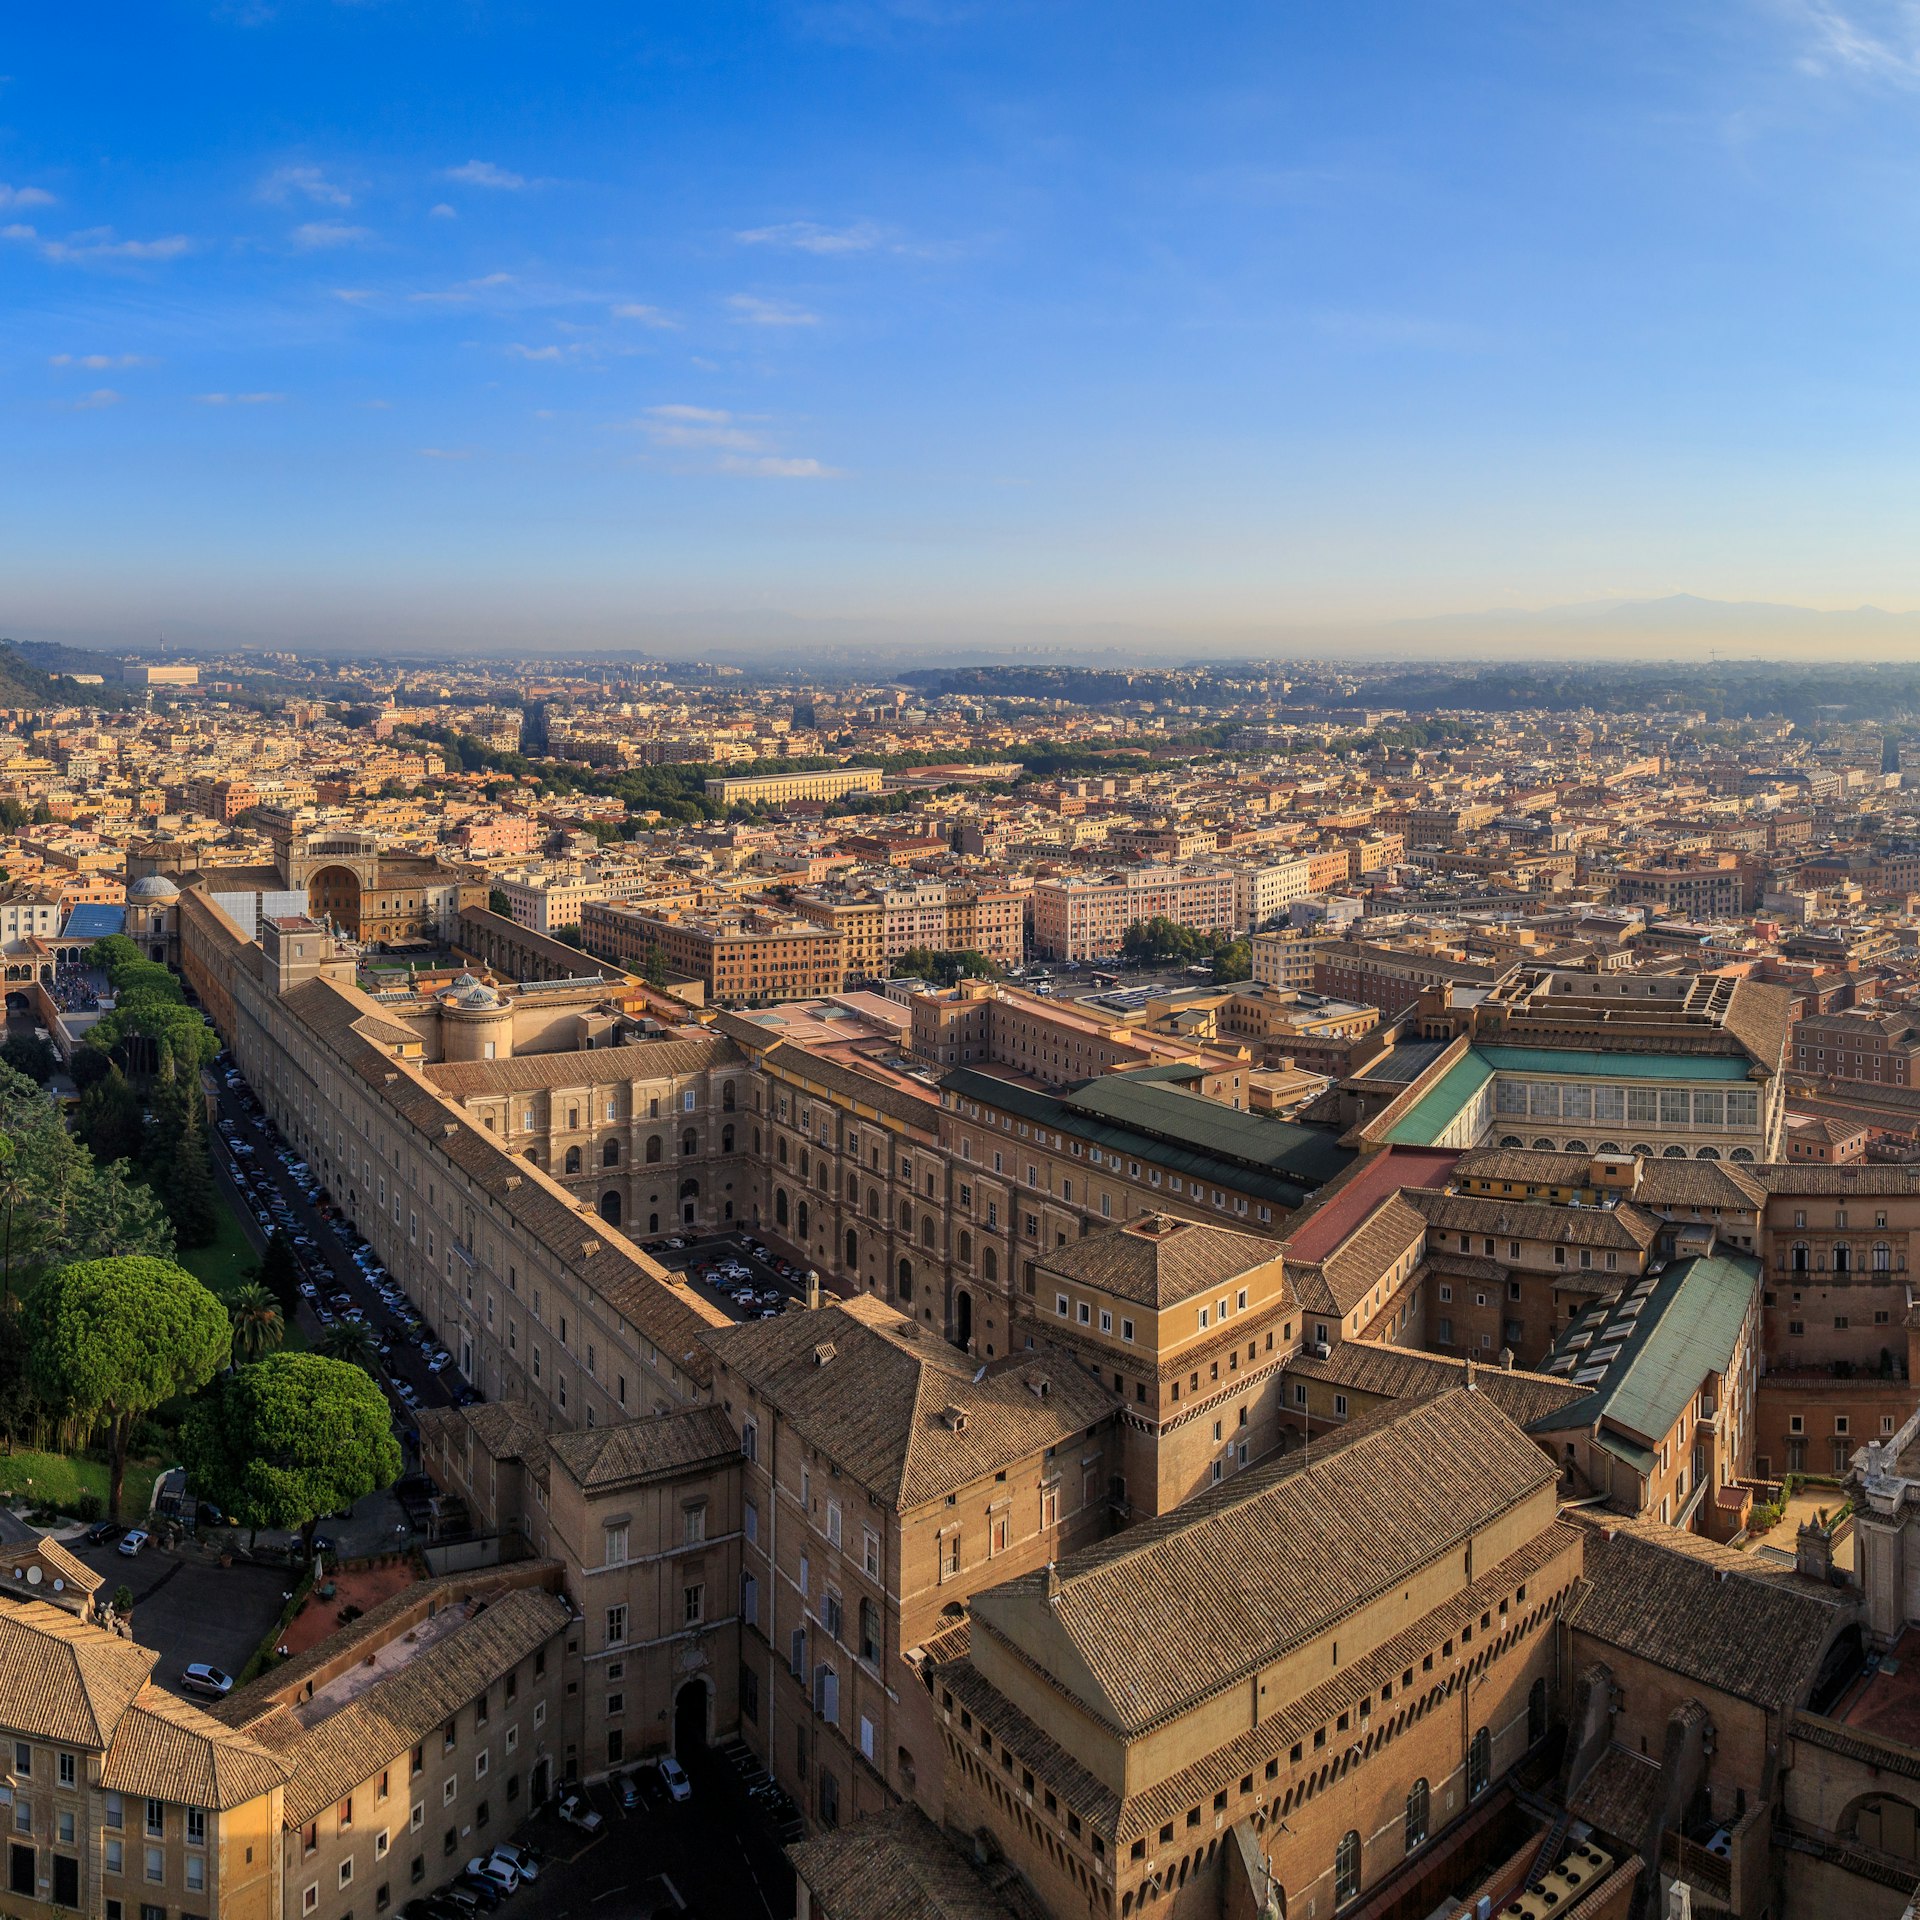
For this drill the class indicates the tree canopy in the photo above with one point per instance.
(108, 1340)
(288, 1439)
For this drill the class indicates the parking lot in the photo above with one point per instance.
(730, 1267)
(711, 1858)
(188, 1607)
(340, 1277)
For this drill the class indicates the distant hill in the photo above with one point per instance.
(24, 682)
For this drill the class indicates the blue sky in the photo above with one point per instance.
(422, 322)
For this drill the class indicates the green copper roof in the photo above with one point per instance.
(1581, 1063)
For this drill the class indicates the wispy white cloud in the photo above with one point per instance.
(99, 362)
(808, 236)
(443, 212)
(24, 196)
(734, 443)
(773, 466)
(645, 315)
(94, 401)
(752, 311)
(355, 296)
(521, 351)
(96, 243)
(466, 290)
(303, 183)
(446, 453)
(239, 399)
(1879, 41)
(483, 173)
(313, 235)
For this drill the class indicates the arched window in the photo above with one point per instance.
(990, 1263)
(726, 1138)
(1479, 1764)
(1800, 1260)
(689, 1143)
(573, 1159)
(873, 1204)
(926, 1231)
(853, 1188)
(779, 1206)
(573, 1117)
(1882, 1257)
(1419, 1810)
(1543, 1145)
(1742, 1154)
(906, 1216)
(610, 1154)
(1609, 1146)
(1708, 1153)
(689, 1189)
(1842, 1257)
(726, 1096)
(965, 1248)
(1346, 1868)
(1673, 1153)
(610, 1207)
(806, 1163)
(653, 1150)
(1640, 1150)
(1536, 1712)
(853, 1249)
(1575, 1146)
(904, 1280)
(800, 1219)
(1511, 1140)
(533, 1154)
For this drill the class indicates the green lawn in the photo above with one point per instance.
(229, 1262)
(59, 1479)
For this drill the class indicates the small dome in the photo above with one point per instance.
(466, 980)
(479, 996)
(154, 886)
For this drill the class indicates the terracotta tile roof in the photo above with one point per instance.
(1143, 1813)
(64, 1680)
(1362, 1261)
(57, 1567)
(1405, 1373)
(530, 1072)
(166, 1749)
(897, 1865)
(1891, 1181)
(1725, 1619)
(329, 1753)
(1618, 1795)
(1183, 1606)
(886, 1093)
(653, 1448)
(1625, 1228)
(1158, 1260)
(893, 1405)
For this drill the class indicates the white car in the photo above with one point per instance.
(134, 1542)
(575, 1811)
(210, 1681)
(522, 1860)
(502, 1873)
(673, 1777)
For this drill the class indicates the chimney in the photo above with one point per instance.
(1472, 1384)
(815, 1297)
(1813, 1549)
(1506, 1359)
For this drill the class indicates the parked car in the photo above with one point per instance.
(105, 1534)
(673, 1777)
(487, 1866)
(575, 1811)
(629, 1792)
(523, 1860)
(134, 1542)
(203, 1679)
(483, 1888)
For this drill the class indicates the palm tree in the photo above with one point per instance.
(345, 1340)
(13, 1193)
(258, 1326)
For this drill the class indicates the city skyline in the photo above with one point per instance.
(948, 325)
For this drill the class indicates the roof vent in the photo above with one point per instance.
(1039, 1385)
(589, 1248)
(823, 1353)
(955, 1417)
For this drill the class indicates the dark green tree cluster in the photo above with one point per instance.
(1162, 942)
(944, 966)
(150, 1011)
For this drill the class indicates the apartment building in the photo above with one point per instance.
(1087, 919)
(749, 954)
(774, 789)
(122, 1800)
(1862, 1045)
(1262, 892)
(886, 1480)
(412, 1736)
(1699, 886)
